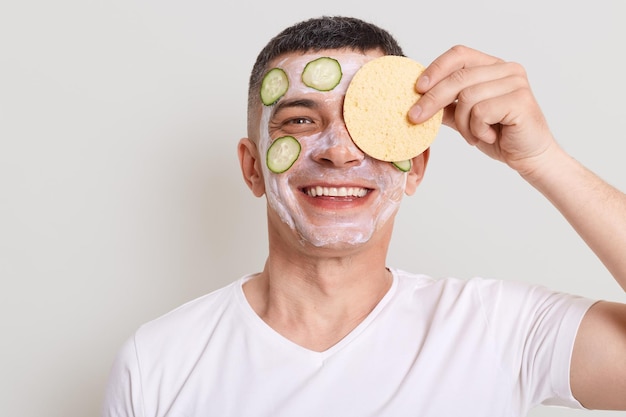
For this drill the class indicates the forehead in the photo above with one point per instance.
(350, 61)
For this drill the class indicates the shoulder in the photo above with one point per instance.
(492, 296)
(196, 316)
(449, 287)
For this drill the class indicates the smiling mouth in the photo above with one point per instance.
(320, 191)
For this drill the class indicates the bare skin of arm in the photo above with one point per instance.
(490, 103)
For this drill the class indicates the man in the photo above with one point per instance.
(326, 328)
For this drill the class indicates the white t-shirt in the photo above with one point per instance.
(431, 347)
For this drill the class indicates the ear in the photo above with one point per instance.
(416, 174)
(251, 166)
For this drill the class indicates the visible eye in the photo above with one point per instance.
(298, 121)
(296, 117)
(297, 125)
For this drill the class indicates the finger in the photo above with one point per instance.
(447, 90)
(454, 59)
(449, 116)
(505, 111)
(475, 112)
(449, 119)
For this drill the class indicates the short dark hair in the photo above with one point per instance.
(326, 32)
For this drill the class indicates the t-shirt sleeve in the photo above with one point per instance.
(123, 394)
(535, 329)
(573, 313)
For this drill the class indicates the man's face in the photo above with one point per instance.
(333, 195)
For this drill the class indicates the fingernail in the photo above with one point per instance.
(422, 82)
(414, 113)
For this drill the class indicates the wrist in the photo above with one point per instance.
(549, 166)
(558, 176)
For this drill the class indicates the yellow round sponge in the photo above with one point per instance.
(376, 107)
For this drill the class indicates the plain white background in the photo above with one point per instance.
(120, 195)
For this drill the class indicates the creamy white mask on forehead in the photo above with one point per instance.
(312, 175)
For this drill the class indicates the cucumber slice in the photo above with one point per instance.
(282, 153)
(273, 86)
(403, 166)
(323, 74)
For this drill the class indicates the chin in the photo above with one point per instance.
(334, 240)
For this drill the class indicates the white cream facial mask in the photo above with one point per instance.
(355, 193)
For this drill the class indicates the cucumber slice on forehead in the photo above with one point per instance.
(282, 153)
(322, 74)
(273, 86)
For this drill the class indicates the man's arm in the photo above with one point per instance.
(598, 213)
(490, 103)
(595, 209)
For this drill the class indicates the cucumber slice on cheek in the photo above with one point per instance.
(322, 74)
(282, 154)
(274, 85)
(403, 166)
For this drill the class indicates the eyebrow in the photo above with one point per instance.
(300, 102)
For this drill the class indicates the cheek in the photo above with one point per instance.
(311, 146)
(391, 181)
(398, 186)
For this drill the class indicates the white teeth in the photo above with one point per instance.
(336, 192)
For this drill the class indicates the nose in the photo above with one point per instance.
(336, 148)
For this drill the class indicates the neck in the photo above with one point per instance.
(315, 299)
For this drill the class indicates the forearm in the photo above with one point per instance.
(595, 209)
